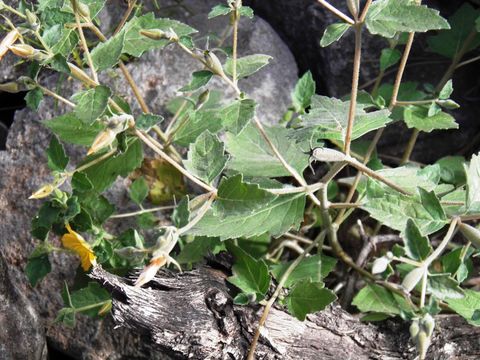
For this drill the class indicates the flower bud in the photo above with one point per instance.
(414, 329)
(327, 155)
(82, 9)
(202, 99)
(43, 192)
(213, 63)
(23, 50)
(471, 233)
(8, 41)
(157, 34)
(353, 7)
(380, 265)
(81, 75)
(10, 87)
(413, 277)
(428, 324)
(103, 139)
(32, 20)
(423, 343)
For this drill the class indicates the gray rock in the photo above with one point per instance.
(23, 169)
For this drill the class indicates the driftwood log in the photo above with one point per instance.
(190, 315)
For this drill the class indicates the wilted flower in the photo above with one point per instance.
(43, 192)
(8, 41)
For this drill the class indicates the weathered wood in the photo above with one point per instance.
(191, 315)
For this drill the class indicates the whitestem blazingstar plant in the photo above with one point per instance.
(239, 166)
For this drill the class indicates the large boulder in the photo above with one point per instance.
(23, 169)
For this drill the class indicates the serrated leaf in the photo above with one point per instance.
(303, 92)
(276, 218)
(237, 115)
(138, 190)
(34, 98)
(394, 209)
(196, 123)
(417, 246)
(252, 156)
(389, 57)
(446, 91)
(449, 42)
(146, 121)
(333, 33)
(91, 104)
(329, 116)
(417, 117)
(308, 297)
(199, 79)
(236, 197)
(103, 174)
(467, 307)
(377, 299)
(206, 157)
(249, 275)
(246, 11)
(219, 10)
(313, 268)
(194, 251)
(60, 39)
(408, 91)
(72, 130)
(57, 159)
(107, 54)
(443, 287)
(38, 266)
(247, 65)
(387, 17)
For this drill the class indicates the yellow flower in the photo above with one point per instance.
(74, 241)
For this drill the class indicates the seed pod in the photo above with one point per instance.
(22, 50)
(353, 6)
(412, 278)
(380, 265)
(213, 63)
(428, 324)
(154, 34)
(10, 87)
(327, 155)
(471, 233)
(81, 75)
(43, 192)
(103, 139)
(448, 104)
(414, 329)
(8, 41)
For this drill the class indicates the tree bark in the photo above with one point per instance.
(191, 315)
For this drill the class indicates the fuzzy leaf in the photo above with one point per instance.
(72, 130)
(473, 184)
(387, 17)
(377, 299)
(307, 298)
(138, 190)
(196, 123)
(219, 10)
(417, 246)
(389, 57)
(57, 159)
(106, 54)
(467, 306)
(91, 104)
(247, 65)
(38, 266)
(146, 121)
(194, 251)
(443, 287)
(237, 115)
(34, 98)
(206, 157)
(199, 79)
(333, 33)
(417, 117)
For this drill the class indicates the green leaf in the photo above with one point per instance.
(93, 296)
(237, 115)
(247, 65)
(376, 298)
(417, 246)
(394, 209)
(246, 11)
(443, 287)
(38, 266)
(329, 116)
(66, 316)
(446, 91)
(196, 123)
(308, 297)
(467, 306)
(103, 174)
(449, 42)
(181, 214)
(473, 184)
(249, 275)
(47, 216)
(387, 17)
(138, 190)
(199, 79)
(252, 156)
(206, 157)
(303, 92)
(219, 10)
(194, 251)
(57, 159)
(34, 98)
(417, 117)
(72, 130)
(60, 39)
(81, 182)
(408, 91)
(91, 104)
(333, 33)
(136, 44)
(146, 121)
(276, 218)
(236, 197)
(452, 170)
(313, 268)
(389, 57)
(107, 54)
